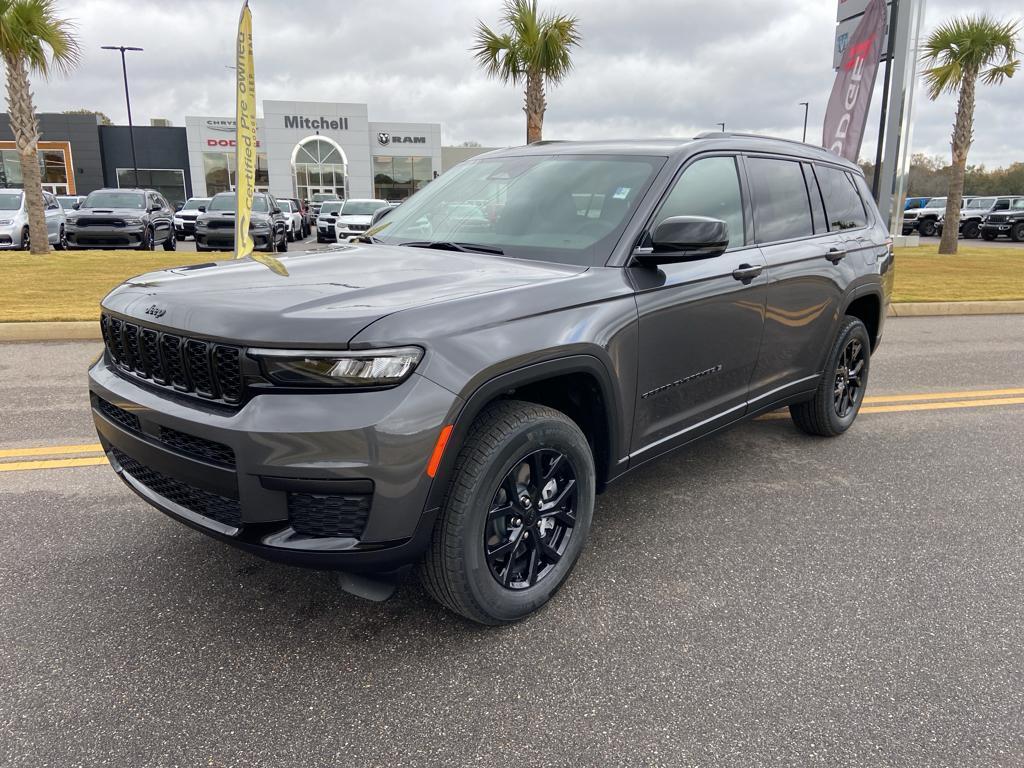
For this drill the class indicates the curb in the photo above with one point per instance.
(89, 330)
(948, 308)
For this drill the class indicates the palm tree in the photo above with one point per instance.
(533, 50)
(958, 54)
(32, 39)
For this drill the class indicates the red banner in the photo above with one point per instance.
(848, 106)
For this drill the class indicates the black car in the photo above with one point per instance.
(122, 218)
(1007, 221)
(452, 393)
(215, 226)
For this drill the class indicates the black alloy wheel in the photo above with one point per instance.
(171, 243)
(971, 230)
(531, 519)
(1017, 232)
(62, 239)
(26, 240)
(148, 241)
(928, 228)
(849, 388)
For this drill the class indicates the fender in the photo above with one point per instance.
(519, 377)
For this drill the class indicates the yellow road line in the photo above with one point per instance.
(942, 395)
(82, 461)
(50, 450)
(942, 406)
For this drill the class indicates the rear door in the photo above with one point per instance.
(699, 324)
(813, 229)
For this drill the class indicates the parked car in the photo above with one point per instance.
(303, 209)
(14, 225)
(329, 211)
(454, 402)
(318, 199)
(1009, 222)
(185, 217)
(914, 203)
(69, 202)
(215, 227)
(293, 219)
(926, 219)
(122, 218)
(355, 217)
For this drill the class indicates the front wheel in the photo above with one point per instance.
(971, 230)
(841, 391)
(516, 514)
(171, 243)
(26, 241)
(928, 228)
(62, 239)
(1017, 233)
(282, 246)
(148, 241)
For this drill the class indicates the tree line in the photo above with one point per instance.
(930, 177)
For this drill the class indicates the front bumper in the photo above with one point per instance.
(10, 237)
(279, 456)
(1000, 228)
(184, 227)
(224, 239)
(108, 237)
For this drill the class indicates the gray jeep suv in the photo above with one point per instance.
(453, 392)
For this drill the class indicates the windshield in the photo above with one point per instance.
(226, 202)
(103, 199)
(982, 203)
(362, 207)
(194, 203)
(10, 201)
(285, 206)
(66, 201)
(332, 206)
(937, 202)
(321, 196)
(564, 208)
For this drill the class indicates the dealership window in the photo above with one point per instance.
(53, 168)
(318, 166)
(395, 178)
(219, 171)
(169, 182)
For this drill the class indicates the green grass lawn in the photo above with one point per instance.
(68, 285)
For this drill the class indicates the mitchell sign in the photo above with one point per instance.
(316, 123)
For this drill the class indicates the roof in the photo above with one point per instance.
(748, 142)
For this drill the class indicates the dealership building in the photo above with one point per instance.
(303, 148)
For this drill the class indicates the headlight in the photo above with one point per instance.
(259, 225)
(355, 368)
(132, 220)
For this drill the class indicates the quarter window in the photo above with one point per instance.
(781, 207)
(709, 187)
(843, 205)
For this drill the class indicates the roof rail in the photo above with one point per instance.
(542, 142)
(738, 135)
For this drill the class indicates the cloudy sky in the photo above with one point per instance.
(646, 68)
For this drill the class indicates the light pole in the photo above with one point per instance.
(806, 107)
(722, 126)
(128, 101)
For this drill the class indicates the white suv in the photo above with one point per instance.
(355, 217)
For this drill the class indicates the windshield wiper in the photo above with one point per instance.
(447, 245)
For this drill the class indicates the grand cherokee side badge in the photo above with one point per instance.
(155, 310)
(699, 375)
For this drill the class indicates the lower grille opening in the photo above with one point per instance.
(211, 505)
(118, 415)
(341, 515)
(200, 447)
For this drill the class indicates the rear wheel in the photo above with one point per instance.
(971, 230)
(841, 391)
(516, 515)
(1017, 232)
(927, 228)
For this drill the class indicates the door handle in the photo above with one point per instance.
(745, 273)
(835, 255)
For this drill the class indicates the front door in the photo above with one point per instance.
(700, 324)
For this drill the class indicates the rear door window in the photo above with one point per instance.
(843, 206)
(782, 209)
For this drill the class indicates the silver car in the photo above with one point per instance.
(14, 221)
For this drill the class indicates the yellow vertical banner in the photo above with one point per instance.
(245, 145)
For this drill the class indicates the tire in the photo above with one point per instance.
(320, 239)
(823, 415)
(26, 240)
(990, 236)
(282, 247)
(148, 240)
(171, 243)
(927, 228)
(504, 444)
(971, 230)
(62, 240)
(1017, 232)
(291, 233)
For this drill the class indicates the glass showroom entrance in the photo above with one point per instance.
(319, 167)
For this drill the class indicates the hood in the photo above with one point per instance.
(111, 211)
(328, 297)
(354, 218)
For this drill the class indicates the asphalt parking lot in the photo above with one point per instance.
(763, 598)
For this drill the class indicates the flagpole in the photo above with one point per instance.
(876, 181)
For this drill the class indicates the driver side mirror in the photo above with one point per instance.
(202, 209)
(379, 214)
(276, 211)
(685, 238)
(76, 206)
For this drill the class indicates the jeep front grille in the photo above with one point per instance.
(182, 363)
